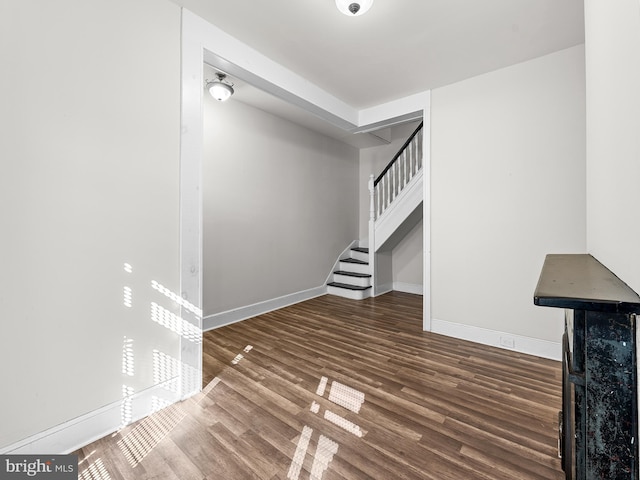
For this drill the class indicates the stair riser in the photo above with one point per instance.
(352, 294)
(359, 282)
(353, 267)
(359, 255)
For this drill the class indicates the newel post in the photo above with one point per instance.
(372, 199)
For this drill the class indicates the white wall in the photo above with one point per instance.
(407, 261)
(90, 151)
(508, 187)
(612, 32)
(280, 205)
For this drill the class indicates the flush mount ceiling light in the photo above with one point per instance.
(220, 89)
(354, 8)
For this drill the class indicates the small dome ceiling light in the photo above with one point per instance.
(220, 89)
(354, 8)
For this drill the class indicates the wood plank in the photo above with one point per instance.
(435, 408)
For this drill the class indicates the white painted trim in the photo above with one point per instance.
(407, 201)
(191, 231)
(78, 432)
(426, 213)
(347, 293)
(384, 288)
(414, 288)
(239, 60)
(242, 313)
(494, 338)
(407, 108)
(344, 254)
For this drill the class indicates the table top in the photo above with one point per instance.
(580, 282)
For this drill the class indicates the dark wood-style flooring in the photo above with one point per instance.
(337, 389)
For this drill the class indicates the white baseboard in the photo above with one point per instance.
(74, 434)
(382, 289)
(238, 314)
(494, 338)
(408, 288)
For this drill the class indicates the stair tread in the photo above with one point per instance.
(354, 260)
(352, 274)
(347, 286)
(360, 249)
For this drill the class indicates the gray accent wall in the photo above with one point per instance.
(280, 205)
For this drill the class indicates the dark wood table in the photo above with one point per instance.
(599, 420)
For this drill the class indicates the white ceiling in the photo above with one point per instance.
(398, 48)
(256, 98)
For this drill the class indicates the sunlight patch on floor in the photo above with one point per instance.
(95, 471)
(341, 395)
(144, 437)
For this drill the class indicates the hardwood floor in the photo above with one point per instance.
(338, 389)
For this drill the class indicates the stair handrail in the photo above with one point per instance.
(397, 155)
(399, 172)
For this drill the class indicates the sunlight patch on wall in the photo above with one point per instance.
(175, 323)
(158, 403)
(128, 364)
(176, 298)
(191, 378)
(127, 297)
(126, 411)
(166, 371)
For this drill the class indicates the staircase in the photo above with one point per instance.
(396, 197)
(352, 278)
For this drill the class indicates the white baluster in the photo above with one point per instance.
(387, 191)
(372, 199)
(405, 160)
(413, 157)
(394, 187)
(387, 181)
(419, 149)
